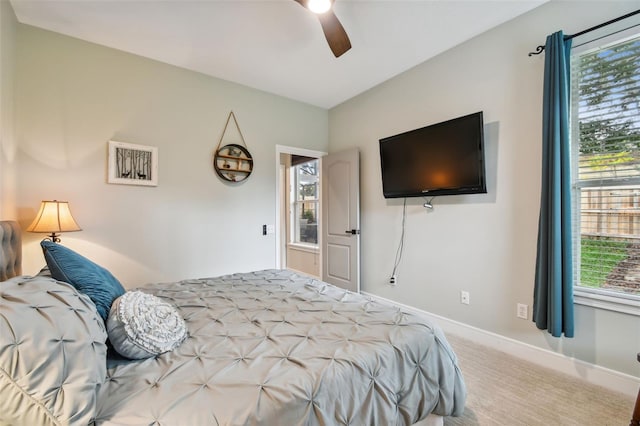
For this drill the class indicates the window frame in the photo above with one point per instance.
(583, 295)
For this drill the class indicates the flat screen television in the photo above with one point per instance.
(441, 159)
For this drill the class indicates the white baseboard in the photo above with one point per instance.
(592, 373)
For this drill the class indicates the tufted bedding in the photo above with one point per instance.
(10, 249)
(52, 353)
(263, 348)
(277, 348)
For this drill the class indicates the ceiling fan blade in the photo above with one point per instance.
(333, 30)
(334, 33)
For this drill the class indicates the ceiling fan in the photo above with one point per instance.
(333, 30)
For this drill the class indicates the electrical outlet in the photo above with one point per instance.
(393, 280)
(523, 311)
(465, 298)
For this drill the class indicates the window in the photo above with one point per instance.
(606, 156)
(304, 197)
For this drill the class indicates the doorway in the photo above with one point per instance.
(336, 231)
(298, 240)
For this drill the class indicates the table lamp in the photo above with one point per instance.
(54, 216)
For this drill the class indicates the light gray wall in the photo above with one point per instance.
(72, 97)
(8, 146)
(484, 244)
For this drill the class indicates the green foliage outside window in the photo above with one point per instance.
(598, 259)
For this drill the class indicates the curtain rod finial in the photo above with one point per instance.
(538, 51)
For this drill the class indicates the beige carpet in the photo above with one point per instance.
(503, 390)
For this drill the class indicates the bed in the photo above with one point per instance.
(268, 347)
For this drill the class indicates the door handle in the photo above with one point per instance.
(353, 232)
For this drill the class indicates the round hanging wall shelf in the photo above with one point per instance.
(232, 162)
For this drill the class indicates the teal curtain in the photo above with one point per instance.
(553, 293)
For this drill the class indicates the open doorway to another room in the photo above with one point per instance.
(299, 211)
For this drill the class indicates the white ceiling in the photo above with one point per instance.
(277, 45)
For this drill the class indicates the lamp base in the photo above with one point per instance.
(53, 237)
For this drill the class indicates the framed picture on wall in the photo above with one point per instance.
(132, 164)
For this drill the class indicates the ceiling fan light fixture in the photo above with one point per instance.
(319, 6)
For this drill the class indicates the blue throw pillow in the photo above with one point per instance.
(87, 277)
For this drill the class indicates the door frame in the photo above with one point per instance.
(291, 150)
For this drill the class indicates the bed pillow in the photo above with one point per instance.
(141, 325)
(52, 353)
(89, 278)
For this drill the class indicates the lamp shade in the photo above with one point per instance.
(54, 216)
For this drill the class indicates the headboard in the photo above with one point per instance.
(10, 250)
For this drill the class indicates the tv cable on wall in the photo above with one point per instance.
(393, 280)
(394, 276)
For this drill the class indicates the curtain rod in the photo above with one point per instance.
(540, 48)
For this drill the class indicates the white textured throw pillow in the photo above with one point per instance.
(141, 325)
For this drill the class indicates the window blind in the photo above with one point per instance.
(606, 104)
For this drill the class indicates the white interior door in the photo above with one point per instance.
(341, 219)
